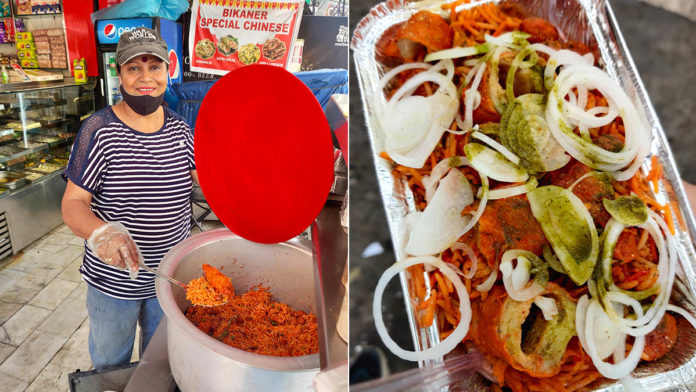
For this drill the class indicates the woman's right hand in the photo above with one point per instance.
(113, 244)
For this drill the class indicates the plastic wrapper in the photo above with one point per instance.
(593, 23)
(167, 9)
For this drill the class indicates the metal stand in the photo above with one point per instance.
(330, 256)
(198, 200)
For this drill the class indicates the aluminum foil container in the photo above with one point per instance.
(593, 23)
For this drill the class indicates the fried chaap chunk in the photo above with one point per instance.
(661, 339)
(212, 289)
(591, 190)
(218, 280)
(424, 31)
(518, 333)
(541, 30)
(508, 224)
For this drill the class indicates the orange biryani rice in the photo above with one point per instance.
(252, 321)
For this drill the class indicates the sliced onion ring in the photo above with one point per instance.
(472, 256)
(496, 146)
(401, 68)
(529, 289)
(560, 115)
(547, 305)
(502, 193)
(487, 285)
(440, 169)
(445, 346)
(458, 52)
(623, 367)
(683, 312)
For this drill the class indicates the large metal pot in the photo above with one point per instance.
(201, 363)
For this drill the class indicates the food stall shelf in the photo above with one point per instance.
(44, 117)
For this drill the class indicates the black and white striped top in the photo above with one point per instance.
(140, 179)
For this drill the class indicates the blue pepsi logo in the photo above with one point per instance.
(110, 30)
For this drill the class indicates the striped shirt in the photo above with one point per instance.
(140, 179)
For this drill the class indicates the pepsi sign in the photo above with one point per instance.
(109, 31)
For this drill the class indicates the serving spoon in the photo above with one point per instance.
(176, 282)
(160, 275)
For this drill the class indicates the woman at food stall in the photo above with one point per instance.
(129, 181)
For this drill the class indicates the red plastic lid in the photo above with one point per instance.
(263, 153)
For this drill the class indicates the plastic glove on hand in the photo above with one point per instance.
(114, 245)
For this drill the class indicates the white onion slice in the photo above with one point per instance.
(622, 368)
(397, 70)
(681, 311)
(494, 164)
(547, 305)
(447, 65)
(487, 284)
(580, 315)
(410, 144)
(508, 40)
(431, 181)
(502, 193)
(495, 91)
(472, 256)
(410, 118)
(560, 115)
(519, 277)
(470, 96)
(523, 291)
(584, 176)
(482, 204)
(441, 222)
(455, 53)
(578, 115)
(449, 343)
(666, 269)
(496, 146)
(542, 48)
(607, 336)
(630, 384)
(558, 58)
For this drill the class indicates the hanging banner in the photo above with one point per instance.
(229, 34)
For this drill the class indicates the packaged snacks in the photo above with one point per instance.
(10, 29)
(24, 36)
(25, 45)
(5, 8)
(80, 70)
(19, 25)
(26, 55)
(29, 63)
(23, 7)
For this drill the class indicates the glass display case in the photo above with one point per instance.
(38, 123)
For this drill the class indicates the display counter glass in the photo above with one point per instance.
(38, 123)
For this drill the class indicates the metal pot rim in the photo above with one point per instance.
(177, 319)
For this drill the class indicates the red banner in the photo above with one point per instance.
(108, 3)
(229, 34)
(76, 15)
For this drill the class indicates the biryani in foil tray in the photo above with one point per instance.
(535, 208)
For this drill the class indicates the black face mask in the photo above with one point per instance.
(142, 104)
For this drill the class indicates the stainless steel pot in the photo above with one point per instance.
(201, 363)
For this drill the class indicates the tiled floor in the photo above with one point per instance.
(44, 329)
(43, 318)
